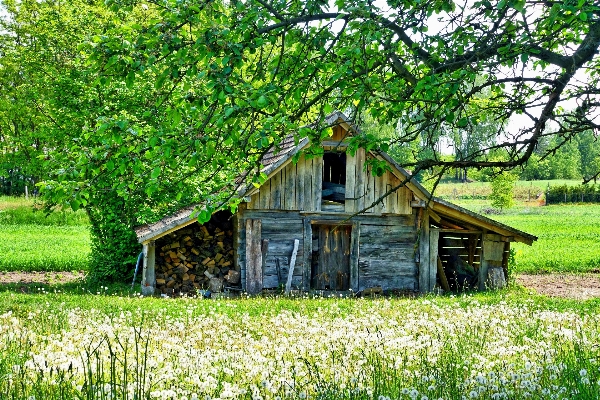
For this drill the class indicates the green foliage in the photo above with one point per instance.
(573, 194)
(503, 187)
(114, 246)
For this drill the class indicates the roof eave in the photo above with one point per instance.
(440, 206)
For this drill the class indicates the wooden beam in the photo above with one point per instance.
(442, 274)
(288, 285)
(307, 251)
(354, 256)
(254, 276)
(424, 254)
(148, 273)
(418, 204)
(434, 216)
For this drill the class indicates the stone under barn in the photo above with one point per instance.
(308, 228)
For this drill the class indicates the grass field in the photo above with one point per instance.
(493, 346)
(568, 235)
(32, 241)
(74, 341)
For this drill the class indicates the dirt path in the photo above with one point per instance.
(40, 277)
(580, 286)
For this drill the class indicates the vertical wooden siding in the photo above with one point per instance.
(293, 187)
(298, 187)
(387, 256)
(363, 188)
(281, 230)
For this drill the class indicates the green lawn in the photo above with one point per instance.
(568, 235)
(30, 240)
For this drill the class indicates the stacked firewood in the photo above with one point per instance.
(196, 258)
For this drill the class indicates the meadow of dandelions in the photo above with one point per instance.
(357, 349)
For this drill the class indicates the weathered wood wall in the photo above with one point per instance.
(280, 229)
(385, 254)
(363, 188)
(298, 187)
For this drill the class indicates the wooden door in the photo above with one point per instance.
(331, 261)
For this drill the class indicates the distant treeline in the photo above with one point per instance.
(573, 194)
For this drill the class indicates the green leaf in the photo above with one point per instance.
(129, 80)
(155, 173)
(75, 204)
(583, 16)
(262, 102)
(462, 122)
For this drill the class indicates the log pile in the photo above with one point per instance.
(196, 258)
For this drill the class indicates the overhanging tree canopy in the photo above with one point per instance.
(249, 72)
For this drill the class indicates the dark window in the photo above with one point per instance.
(334, 177)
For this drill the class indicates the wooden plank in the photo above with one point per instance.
(385, 208)
(317, 182)
(265, 195)
(275, 201)
(424, 254)
(442, 274)
(369, 190)
(288, 285)
(334, 144)
(393, 205)
(309, 199)
(382, 268)
(307, 250)
(253, 256)
(290, 187)
(434, 235)
(350, 204)
(264, 250)
(359, 190)
(380, 273)
(354, 256)
(300, 177)
(493, 251)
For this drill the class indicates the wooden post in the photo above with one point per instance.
(434, 236)
(264, 251)
(254, 275)
(288, 285)
(307, 251)
(493, 252)
(354, 256)
(148, 273)
(26, 193)
(424, 254)
(505, 257)
(442, 274)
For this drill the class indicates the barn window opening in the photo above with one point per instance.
(459, 254)
(334, 177)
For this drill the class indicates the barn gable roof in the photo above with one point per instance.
(280, 156)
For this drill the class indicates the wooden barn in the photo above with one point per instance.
(303, 229)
